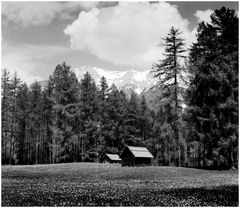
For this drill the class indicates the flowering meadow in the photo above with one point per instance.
(92, 184)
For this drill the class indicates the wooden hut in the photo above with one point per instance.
(111, 158)
(135, 156)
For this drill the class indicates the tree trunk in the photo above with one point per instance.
(169, 158)
(82, 151)
(176, 105)
(10, 150)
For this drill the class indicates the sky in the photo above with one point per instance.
(36, 36)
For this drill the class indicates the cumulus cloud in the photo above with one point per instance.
(128, 33)
(204, 15)
(40, 13)
(85, 4)
(201, 16)
(31, 62)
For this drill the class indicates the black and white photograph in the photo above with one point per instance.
(119, 103)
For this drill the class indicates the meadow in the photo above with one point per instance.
(89, 184)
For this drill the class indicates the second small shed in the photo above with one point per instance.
(135, 156)
(111, 158)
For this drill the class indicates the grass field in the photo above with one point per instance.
(88, 184)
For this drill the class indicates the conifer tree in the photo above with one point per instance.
(23, 110)
(115, 125)
(103, 89)
(35, 121)
(213, 93)
(48, 117)
(5, 114)
(14, 87)
(145, 120)
(88, 115)
(171, 76)
(132, 121)
(65, 97)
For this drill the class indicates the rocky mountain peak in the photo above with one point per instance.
(128, 81)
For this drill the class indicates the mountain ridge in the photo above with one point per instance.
(138, 81)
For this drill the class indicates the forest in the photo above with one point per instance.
(195, 123)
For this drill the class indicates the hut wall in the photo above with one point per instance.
(142, 161)
(127, 161)
(107, 160)
(127, 158)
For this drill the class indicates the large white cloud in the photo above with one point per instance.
(127, 34)
(204, 15)
(40, 13)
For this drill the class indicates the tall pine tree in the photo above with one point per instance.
(213, 93)
(6, 114)
(65, 97)
(171, 76)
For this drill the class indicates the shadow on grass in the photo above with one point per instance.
(215, 196)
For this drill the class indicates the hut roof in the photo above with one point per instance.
(113, 157)
(139, 151)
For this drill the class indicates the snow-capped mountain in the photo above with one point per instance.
(137, 81)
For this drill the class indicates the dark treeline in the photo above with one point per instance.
(67, 120)
(64, 120)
